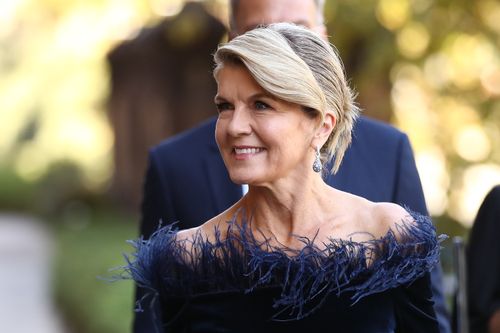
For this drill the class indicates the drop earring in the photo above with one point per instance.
(317, 166)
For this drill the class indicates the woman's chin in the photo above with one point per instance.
(240, 179)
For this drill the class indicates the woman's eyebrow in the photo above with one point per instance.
(262, 95)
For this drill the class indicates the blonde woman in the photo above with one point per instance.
(293, 254)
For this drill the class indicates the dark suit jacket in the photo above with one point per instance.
(187, 182)
(483, 263)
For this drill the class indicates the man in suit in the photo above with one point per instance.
(187, 181)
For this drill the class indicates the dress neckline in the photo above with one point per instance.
(238, 262)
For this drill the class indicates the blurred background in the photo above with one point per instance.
(86, 86)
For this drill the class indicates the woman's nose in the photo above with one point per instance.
(240, 122)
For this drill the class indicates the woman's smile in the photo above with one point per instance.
(246, 152)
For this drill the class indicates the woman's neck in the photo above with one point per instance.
(288, 208)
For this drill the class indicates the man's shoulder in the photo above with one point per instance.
(376, 130)
(375, 150)
(196, 139)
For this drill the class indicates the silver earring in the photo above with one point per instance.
(317, 166)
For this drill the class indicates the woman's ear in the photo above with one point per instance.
(325, 129)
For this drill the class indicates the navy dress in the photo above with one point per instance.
(237, 283)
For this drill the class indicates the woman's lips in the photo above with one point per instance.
(246, 152)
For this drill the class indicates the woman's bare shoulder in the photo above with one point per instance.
(389, 216)
(373, 219)
(188, 234)
(207, 230)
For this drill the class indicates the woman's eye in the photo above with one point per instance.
(261, 105)
(223, 106)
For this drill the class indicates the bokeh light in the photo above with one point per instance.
(490, 13)
(434, 173)
(490, 79)
(469, 55)
(475, 182)
(392, 14)
(413, 40)
(472, 143)
(437, 70)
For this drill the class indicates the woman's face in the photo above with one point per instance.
(262, 139)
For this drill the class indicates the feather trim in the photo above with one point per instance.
(239, 262)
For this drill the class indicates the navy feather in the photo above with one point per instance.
(168, 267)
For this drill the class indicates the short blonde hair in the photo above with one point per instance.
(298, 66)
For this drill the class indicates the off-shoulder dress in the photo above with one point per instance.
(236, 283)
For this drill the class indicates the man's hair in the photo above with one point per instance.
(233, 9)
(298, 66)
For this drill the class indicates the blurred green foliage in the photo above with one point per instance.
(16, 194)
(89, 245)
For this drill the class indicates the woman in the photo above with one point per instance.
(293, 254)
